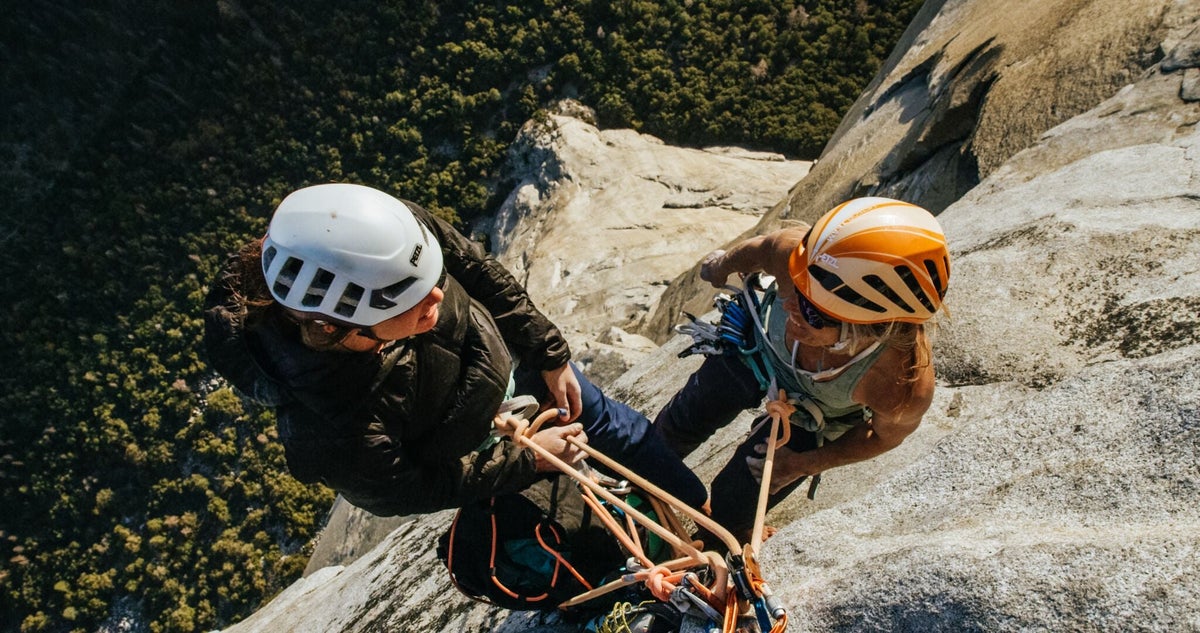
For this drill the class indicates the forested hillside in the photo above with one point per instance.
(143, 140)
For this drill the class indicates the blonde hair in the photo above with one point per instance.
(913, 339)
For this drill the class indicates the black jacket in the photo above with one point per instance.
(398, 432)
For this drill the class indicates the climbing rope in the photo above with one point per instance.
(780, 411)
(736, 583)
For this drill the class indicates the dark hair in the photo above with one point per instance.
(256, 305)
(249, 286)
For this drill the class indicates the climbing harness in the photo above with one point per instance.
(726, 592)
(740, 332)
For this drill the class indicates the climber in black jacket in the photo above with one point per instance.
(387, 341)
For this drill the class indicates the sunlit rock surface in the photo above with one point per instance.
(601, 220)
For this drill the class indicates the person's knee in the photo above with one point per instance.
(681, 439)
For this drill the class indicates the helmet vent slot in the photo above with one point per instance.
(269, 256)
(287, 277)
(914, 286)
(317, 289)
(385, 298)
(348, 304)
(882, 288)
(834, 284)
(932, 267)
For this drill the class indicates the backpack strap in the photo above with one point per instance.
(450, 542)
(491, 515)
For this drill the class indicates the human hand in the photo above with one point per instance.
(787, 467)
(565, 389)
(711, 269)
(554, 440)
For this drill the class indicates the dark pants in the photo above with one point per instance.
(713, 396)
(620, 432)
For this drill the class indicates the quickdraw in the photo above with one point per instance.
(737, 332)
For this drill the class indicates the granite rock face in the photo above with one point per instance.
(1054, 485)
(601, 220)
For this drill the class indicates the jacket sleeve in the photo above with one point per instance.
(375, 473)
(532, 337)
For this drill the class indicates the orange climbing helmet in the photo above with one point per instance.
(874, 260)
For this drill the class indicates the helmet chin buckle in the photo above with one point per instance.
(843, 339)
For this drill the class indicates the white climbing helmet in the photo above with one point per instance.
(873, 260)
(349, 252)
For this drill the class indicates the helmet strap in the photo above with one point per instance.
(843, 339)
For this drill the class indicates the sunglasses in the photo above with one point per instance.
(812, 315)
(344, 332)
(341, 331)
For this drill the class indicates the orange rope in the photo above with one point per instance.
(781, 412)
(641, 518)
(700, 518)
(611, 524)
(539, 421)
(633, 535)
(662, 581)
(624, 581)
(667, 516)
(558, 557)
(731, 613)
(704, 592)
